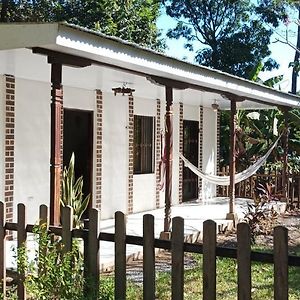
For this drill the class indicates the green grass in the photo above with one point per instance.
(262, 281)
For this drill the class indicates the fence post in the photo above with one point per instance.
(280, 263)
(148, 258)
(120, 256)
(21, 240)
(67, 226)
(44, 215)
(244, 261)
(209, 260)
(298, 203)
(44, 223)
(93, 252)
(2, 250)
(177, 258)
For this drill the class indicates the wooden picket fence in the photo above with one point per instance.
(248, 187)
(176, 245)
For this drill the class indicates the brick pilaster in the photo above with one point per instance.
(218, 140)
(98, 165)
(218, 147)
(158, 152)
(130, 156)
(200, 157)
(180, 185)
(9, 146)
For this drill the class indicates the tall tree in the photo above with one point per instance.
(133, 20)
(232, 34)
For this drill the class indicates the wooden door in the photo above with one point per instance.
(190, 151)
(78, 138)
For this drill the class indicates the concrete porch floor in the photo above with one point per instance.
(193, 213)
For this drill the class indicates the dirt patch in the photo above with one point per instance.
(290, 220)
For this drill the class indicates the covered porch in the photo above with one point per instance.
(73, 62)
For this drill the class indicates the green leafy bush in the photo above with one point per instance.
(54, 274)
(72, 194)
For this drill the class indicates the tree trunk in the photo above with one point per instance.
(4, 8)
(296, 60)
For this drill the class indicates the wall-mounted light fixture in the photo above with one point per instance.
(123, 90)
(215, 106)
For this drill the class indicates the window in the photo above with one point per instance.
(143, 144)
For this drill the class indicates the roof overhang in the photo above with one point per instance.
(115, 53)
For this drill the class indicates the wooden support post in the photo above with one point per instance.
(231, 215)
(169, 159)
(56, 141)
(285, 156)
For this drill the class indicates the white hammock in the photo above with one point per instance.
(225, 180)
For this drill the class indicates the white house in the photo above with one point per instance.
(61, 91)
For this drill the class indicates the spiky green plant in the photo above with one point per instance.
(72, 194)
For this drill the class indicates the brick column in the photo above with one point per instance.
(158, 152)
(200, 157)
(180, 186)
(130, 156)
(218, 140)
(98, 179)
(9, 146)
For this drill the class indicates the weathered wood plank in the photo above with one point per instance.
(120, 256)
(244, 261)
(93, 248)
(44, 223)
(177, 258)
(67, 226)
(209, 260)
(280, 263)
(21, 243)
(2, 250)
(148, 258)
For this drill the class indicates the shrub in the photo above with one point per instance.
(72, 194)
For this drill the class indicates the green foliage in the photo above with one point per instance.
(53, 274)
(132, 20)
(260, 215)
(256, 134)
(11, 294)
(230, 35)
(72, 194)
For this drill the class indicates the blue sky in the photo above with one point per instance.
(282, 53)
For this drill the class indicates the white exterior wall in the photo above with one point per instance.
(115, 154)
(2, 135)
(32, 146)
(144, 185)
(190, 113)
(209, 150)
